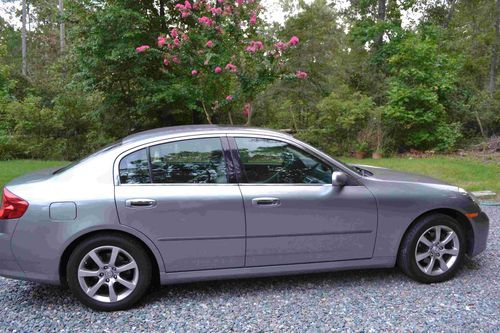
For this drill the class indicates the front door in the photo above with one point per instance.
(294, 214)
(178, 194)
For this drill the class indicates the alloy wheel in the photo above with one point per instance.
(437, 250)
(108, 274)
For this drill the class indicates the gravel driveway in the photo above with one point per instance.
(370, 301)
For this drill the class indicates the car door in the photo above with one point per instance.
(293, 213)
(178, 194)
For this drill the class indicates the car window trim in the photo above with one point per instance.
(147, 145)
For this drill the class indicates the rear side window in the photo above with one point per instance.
(189, 161)
(134, 168)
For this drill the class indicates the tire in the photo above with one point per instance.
(428, 260)
(111, 284)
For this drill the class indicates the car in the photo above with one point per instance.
(206, 202)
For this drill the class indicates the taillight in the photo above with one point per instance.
(12, 207)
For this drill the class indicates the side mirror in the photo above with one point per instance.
(339, 178)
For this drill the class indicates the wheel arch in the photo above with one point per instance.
(453, 213)
(152, 251)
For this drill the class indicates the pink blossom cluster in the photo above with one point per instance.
(209, 44)
(253, 18)
(232, 68)
(254, 46)
(141, 48)
(229, 98)
(216, 11)
(217, 70)
(283, 46)
(301, 75)
(205, 21)
(184, 9)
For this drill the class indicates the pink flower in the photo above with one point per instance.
(232, 68)
(210, 43)
(177, 42)
(239, 2)
(301, 75)
(254, 46)
(220, 1)
(205, 21)
(229, 98)
(194, 72)
(180, 7)
(141, 48)
(217, 70)
(170, 46)
(228, 9)
(174, 33)
(166, 62)
(205, 62)
(176, 60)
(294, 40)
(161, 41)
(185, 14)
(216, 11)
(280, 46)
(187, 5)
(253, 18)
(185, 37)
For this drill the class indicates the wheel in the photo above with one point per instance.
(433, 249)
(109, 272)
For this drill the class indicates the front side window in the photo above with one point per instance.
(188, 161)
(269, 161)
(134, 168)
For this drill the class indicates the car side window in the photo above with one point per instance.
(189, 161)
(134, 168)
(270, 161)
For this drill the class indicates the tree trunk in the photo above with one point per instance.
(24, 68)
(61, 26)
(381, 18)
(162, 15)
(494, 53)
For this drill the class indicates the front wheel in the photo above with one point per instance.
(109, 272)
(433, 249)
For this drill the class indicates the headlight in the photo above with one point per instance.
(469, 195)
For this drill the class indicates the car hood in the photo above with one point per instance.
(33, 177)
(392, 175)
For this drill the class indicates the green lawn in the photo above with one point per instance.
(472, 174)
(469, 173)
(12, 169)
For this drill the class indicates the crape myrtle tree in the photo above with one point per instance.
(221, 52)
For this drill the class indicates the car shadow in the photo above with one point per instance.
(43, 295)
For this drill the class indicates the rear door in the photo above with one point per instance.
(293, 213)
(178, 193)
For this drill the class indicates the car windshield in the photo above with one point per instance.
(102, 150)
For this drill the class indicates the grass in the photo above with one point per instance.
(12, 169)
(469, 173)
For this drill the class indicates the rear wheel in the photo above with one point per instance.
(433, 249)
(109, 272)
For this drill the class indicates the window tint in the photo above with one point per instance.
(134, 168)
(275, 162)
(189, 161)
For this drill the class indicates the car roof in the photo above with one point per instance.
(197, 129)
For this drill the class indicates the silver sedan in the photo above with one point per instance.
(193, 203)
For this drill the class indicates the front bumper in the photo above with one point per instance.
(480, 227)
(8, 263)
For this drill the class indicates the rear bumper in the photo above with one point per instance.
(481, 227)
(8, 263)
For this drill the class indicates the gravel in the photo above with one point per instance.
(367, 300)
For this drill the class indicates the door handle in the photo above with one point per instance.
(140, 203)
(266, 202)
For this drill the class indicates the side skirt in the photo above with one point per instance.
(276, 270)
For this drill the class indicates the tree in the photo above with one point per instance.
(223, 54)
